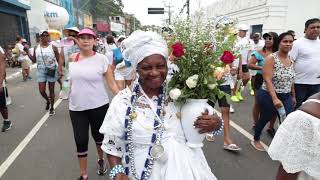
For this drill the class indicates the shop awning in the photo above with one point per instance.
(25, 4)
(103, 27)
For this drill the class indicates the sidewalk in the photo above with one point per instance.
(16, 71)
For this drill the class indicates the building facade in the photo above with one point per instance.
(267, 15)
(14, 21)
(118, 25)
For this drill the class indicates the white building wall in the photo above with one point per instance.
(299, 12)
(275, 15)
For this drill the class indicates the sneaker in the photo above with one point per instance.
(6, 126)
(234, 99)
(252, 92)
(231, 109)
(101, 170)
(238, 94)
(52, 112)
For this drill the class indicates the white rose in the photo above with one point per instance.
(192, 81)
(212, 86)
(175, 93)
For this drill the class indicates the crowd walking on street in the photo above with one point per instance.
(137, 127)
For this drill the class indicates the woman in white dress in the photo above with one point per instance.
(143, 137)
(297, 143)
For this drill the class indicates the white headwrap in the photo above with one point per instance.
(141, 44)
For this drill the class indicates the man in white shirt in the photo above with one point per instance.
(244, 45)
(306, 55)
(258, 43)
(3, 105)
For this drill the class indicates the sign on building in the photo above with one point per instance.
(155, 10)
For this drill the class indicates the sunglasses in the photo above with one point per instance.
(268, 38)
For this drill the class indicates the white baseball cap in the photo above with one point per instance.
(243, 27)
(66, 30)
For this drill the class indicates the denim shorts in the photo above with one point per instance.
(43, 77)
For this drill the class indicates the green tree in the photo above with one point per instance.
(103, 9)
(134, 23)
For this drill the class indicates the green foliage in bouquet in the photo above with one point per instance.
(196, 47)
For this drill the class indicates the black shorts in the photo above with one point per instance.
(223, 102)
(258, 81)
(245, 68)
(3, 102)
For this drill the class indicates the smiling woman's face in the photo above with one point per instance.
(152, 71)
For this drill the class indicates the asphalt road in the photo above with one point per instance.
(50, 153)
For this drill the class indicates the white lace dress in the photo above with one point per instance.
(178, 162)
(297, 145)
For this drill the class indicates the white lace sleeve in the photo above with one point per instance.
(297, 144)
(113, 125)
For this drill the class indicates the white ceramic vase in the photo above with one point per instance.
(189, 113)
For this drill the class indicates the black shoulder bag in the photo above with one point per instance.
(51, 72)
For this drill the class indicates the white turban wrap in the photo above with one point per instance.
(141, 44)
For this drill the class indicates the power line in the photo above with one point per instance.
(186, 5)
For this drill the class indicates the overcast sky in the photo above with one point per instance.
(140, 8)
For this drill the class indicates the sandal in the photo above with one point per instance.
(257, 148)
(231, 147)
(210, 137)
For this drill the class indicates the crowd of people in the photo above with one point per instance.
(139, 129)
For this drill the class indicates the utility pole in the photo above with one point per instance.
(188, 8)
(169, 12)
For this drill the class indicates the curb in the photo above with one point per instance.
(16, 74)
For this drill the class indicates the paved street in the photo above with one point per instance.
(50, 153)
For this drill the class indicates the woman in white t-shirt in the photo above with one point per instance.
(88, 100)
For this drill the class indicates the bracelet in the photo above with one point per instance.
(116, 170)
(220, 130)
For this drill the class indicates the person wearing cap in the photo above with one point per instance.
(134, 149)
(244, 45)
(256, 62)
(258, 44)
(46, 55)
(306, 55)
(88, 99)
(66, 50)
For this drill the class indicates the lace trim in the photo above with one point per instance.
(313, 100)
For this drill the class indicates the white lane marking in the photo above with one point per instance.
(244, 132)
(16, 74)
(7, 163)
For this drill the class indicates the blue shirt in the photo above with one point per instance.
(260, 59)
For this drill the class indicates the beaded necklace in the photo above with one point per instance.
(156, 136)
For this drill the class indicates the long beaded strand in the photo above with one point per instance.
(129, 147)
